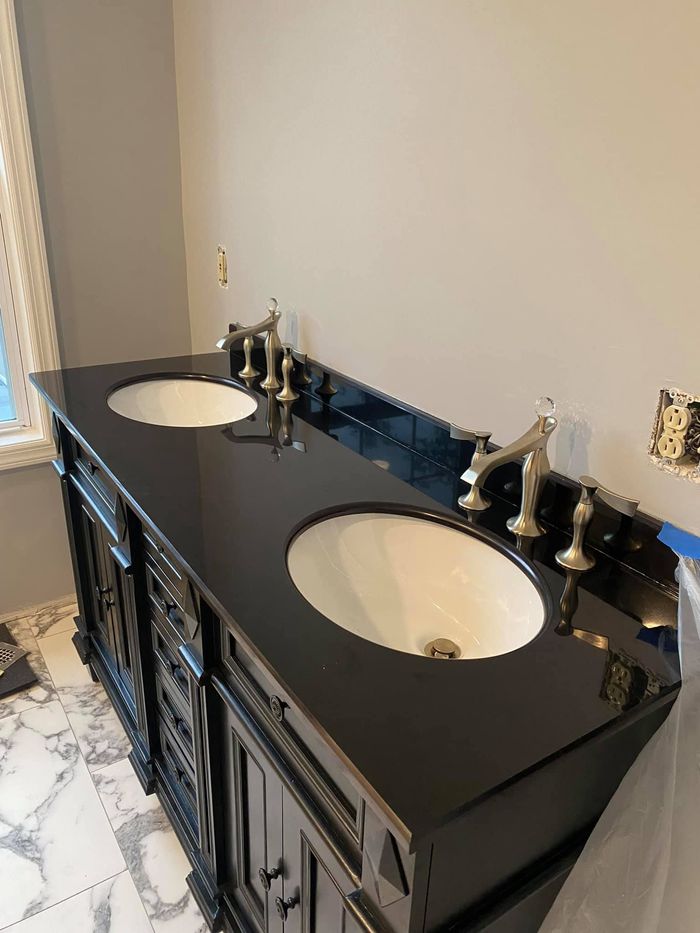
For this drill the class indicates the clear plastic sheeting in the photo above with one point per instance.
(640, 870)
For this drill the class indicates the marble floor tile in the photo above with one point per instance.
(153, 854)
(40, 693)
(55, 839)
(42, 608)
(97, 728)
(54, 618)
(113, 906)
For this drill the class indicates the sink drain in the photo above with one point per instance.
(443, 648)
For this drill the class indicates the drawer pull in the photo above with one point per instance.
(277, 706)
(180, 776)
(283, 907)
(178, 724)
(267, 877)
(178, 772)
(184, 730)
(92, 468)
(169, 610)
(176, 672)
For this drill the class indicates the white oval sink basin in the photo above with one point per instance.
(182, 402)
(403, 582)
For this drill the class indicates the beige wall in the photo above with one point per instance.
(100, 82)
(469, 204)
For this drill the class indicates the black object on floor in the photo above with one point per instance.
(20, 675)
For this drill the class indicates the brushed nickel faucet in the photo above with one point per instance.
(533, 446)
(481, 440)
(273, 347)
(575, 557)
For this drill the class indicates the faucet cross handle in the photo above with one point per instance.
(575, 557)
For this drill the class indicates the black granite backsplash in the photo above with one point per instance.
(632, 543)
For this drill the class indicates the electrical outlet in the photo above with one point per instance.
(676, 418)
(222, 267)
(671, 445)
(675, 440)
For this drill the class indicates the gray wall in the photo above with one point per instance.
(100, 82)
(34, 559)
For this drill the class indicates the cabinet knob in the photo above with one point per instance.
(283, 907)
(91, 468)
(103, 595)
(267, 877)
(277, 706)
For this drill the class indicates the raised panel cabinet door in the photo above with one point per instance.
(253, 825)
(99, 587)
(316, 884)
(122, 608)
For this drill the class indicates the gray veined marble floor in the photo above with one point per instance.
(82, 849)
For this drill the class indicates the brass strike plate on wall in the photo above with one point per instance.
(222, 267)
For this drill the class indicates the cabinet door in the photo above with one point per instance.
(110, 598)
(316, 884)
(122, 610)
(252, 822)
(97, 581)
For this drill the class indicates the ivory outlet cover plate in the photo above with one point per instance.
(674, 445)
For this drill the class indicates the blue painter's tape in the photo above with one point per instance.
(682, 542)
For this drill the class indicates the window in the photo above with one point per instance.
(27, 334)
(8, 411)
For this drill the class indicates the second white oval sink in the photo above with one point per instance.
(182, 402)
(416, 585)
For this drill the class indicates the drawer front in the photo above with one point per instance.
(165, 565)
(91, 471)
(180, 774)
(174, 712)
(165, 606)
(325, 777)
(168, 667)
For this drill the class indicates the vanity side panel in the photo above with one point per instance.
(498, 845)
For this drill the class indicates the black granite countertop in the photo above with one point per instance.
(427, 738)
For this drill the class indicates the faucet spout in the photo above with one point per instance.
(532, 446)
(273, 347)
(242, 332)
(535, 438)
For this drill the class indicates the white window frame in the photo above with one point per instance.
(25, 289)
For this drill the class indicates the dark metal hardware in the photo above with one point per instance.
(174, 669)
(184, 730)
(283, 907)
(180, 775)
(267, 877)
(178, 724)
(170, 612)
(92, 468)
(103, 595)
(277, 706)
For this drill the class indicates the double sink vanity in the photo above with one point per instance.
(362, 708)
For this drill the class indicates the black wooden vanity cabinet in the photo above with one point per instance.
(269, 817)
(293, 813)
